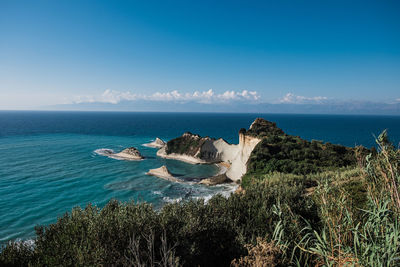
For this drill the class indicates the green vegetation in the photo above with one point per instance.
(279, 152)
(262, 128)
(290, 154)
(187, 144)
(199, 234)
(343, 214)
(347, 239)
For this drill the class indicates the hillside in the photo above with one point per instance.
(280, 152)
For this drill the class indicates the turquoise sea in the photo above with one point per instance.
(49, 164)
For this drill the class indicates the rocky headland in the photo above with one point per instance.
(195, 149)
(262, 149)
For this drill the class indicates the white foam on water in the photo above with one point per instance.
(28, 243)
(107, 153)
(104, 151)
(226, 191)
(230, 189)
(206, 198)
(111, 154)
(172, 200)
(146, 145)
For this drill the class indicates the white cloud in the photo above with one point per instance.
(290, 98)
(114, 97)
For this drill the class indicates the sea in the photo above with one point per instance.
(51, 162)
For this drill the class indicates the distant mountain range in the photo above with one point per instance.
(348, 107)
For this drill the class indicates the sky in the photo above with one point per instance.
(66, 53)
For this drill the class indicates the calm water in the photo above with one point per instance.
(48, 162)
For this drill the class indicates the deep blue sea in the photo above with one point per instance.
(48, 162)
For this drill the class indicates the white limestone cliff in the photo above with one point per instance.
(239, 162)
(214, 151)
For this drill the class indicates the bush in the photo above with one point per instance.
(198, 234)
(290, 154)
(17, 254)
(372, 239)
(263, 254)
(188, 144)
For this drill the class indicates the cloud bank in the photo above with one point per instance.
(244, 101)
(290, 98)
(204, 97)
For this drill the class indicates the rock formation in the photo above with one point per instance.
(158, 143)
(130, 153)
(239, 162)
(163, 173)
(214, 180)
(200, 150)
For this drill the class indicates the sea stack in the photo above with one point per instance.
(163, 173)
(130, 153)
(158, 143)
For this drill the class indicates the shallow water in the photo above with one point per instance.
(49, 164)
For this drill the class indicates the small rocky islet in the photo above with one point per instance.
(158, 143)
(130, 153)
(163, 173)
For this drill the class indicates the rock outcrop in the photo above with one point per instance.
(158, 143)
(163, 173)
(214, 180)
(202, 150)
(130, 153)
(239, 162)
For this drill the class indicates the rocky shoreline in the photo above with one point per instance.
(181, 157)
(191, 148)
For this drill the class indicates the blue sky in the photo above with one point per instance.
(63, 52)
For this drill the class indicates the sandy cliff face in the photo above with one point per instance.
(239, 162)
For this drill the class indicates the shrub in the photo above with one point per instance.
(372, 239)
(188, 144)
(17, 254)
(263, 254)
(290, 154)
(198, 234)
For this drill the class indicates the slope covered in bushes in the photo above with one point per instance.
(279, 152)
(207, 235)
